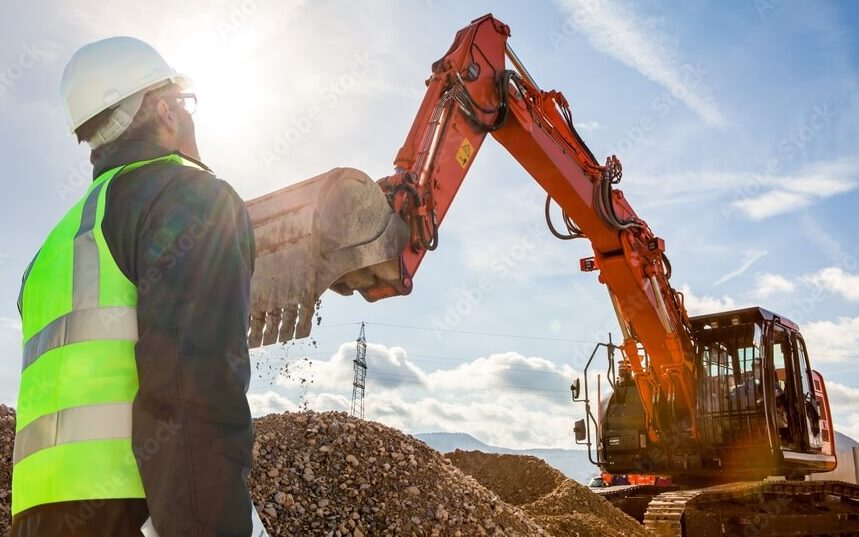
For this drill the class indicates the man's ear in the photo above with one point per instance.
(166, 116)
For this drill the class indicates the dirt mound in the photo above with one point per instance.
(572, 509)
(517, 479)
(330, 474)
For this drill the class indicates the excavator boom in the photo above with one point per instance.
(724, 397)
(472, 93)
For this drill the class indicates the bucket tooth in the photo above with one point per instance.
(336, 230)
(257, 323)
(287, 328)
(272, 326)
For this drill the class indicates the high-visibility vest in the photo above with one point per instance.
(79, 373)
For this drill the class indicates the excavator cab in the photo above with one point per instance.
(762, 410)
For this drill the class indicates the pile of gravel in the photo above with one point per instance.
(560, 505)
(517, 479)
(572, 509)
(329, 474)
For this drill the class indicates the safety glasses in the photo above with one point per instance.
(188, 101)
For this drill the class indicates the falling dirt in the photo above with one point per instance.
(287, 363)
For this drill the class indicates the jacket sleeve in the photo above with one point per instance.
(192, 433)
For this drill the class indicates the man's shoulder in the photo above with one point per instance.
(166, 183)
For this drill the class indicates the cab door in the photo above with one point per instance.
(809, 407)
(788, 417)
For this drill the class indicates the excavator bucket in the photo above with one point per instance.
(335, 230)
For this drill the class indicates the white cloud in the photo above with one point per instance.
(748, 259)
(756, 195)
(836, 280)
(842, 397)
(388, 368)
(500, 421)
(269, 402)
(832, 341)
(700, 305)
(616, 29)
(843, 401)
(507, 371)
(769, 284)
(12, 324)
(789, 193)
(507, 399)
(589, 125)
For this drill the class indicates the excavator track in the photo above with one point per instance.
(631, 499)
(766, 508)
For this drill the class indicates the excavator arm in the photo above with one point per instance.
(472, 93)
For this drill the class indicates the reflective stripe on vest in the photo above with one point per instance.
(79, 376)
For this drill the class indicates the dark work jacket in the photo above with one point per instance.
(185, 239)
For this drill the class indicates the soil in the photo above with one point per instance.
(329, 474)
(517, 479)
(332, 475)
(563, 507)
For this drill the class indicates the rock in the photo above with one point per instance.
(374, 489)
(300, 487)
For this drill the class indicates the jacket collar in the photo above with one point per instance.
(128, 151)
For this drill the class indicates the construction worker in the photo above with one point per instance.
(132, 401)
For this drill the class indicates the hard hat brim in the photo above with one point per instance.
(183, 81)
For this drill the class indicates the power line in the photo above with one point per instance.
(437, 359)
(483, 334)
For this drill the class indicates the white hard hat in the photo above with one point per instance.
(105, 73)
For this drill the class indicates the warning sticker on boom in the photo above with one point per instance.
(463, 155)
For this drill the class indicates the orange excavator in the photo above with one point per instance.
(719, 403)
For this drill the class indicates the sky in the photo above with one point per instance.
(737, 124)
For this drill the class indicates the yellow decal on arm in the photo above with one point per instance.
(463, 155)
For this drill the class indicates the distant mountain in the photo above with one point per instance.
(445, 442)
(842, 441)
(573, 463)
